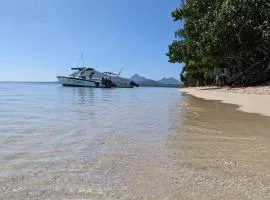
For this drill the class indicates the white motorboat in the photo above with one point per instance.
(89, 77)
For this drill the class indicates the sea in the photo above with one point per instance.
(128, 143)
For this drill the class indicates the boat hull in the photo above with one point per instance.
(76, 82)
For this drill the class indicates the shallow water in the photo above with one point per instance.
(143, 143)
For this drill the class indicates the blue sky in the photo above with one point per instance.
(40, 39)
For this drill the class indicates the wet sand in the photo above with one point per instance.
(224, 153)
(209, 151)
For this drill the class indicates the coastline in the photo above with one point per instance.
(250, 99)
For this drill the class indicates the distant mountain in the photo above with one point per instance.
(151, 83)
(165, 82)
(170, 80)
(137, 78)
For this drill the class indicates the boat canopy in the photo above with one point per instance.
(81, 68)
(110, 73)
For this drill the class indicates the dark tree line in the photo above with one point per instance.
(230, 37)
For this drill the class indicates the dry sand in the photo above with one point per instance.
(250, 99)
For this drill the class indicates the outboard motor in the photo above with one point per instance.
(108, 83)
(133, 84)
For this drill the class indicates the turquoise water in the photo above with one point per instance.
(45, 124)
(40, 117)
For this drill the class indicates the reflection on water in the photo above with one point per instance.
(144, 143)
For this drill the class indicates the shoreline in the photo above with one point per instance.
(250, 99)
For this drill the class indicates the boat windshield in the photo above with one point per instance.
(110, 73)
(78, 68)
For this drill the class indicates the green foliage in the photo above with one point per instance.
(231, 34)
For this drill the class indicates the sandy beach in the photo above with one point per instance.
(249, 99)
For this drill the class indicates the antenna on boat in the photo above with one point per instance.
(82, 60)
(120, 71)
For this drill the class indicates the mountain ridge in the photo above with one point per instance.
(169, 80)
(164, 82)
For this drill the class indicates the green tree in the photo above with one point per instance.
(231, 34)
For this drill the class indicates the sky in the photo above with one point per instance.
(40, 39)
